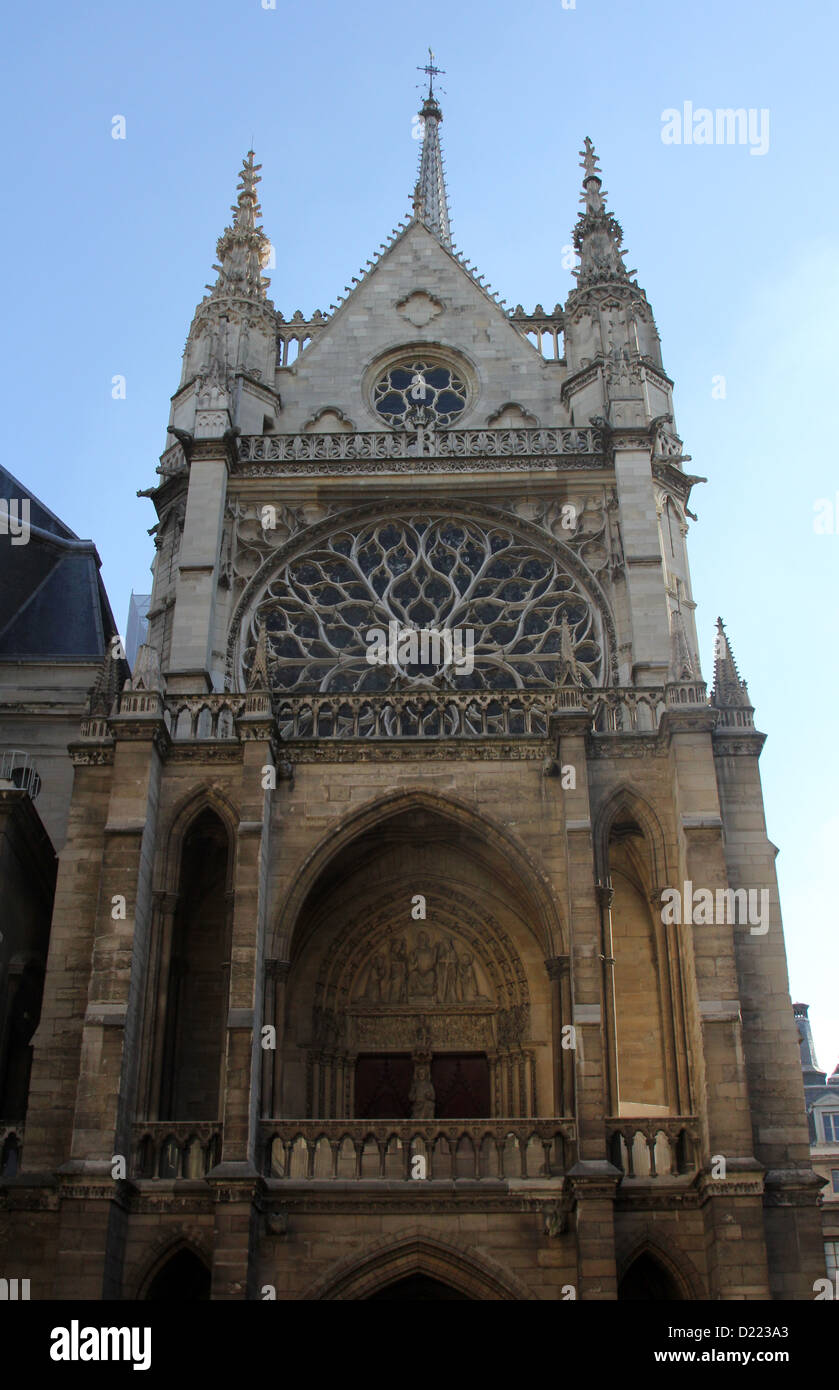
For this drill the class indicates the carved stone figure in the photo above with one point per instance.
(376, 979)
(397, 984)
(422, 976)
(467, 979)
(446, 972)
(421, 1094)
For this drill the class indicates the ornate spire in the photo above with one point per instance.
(682, 664)
(259, 678)
(729, 691)
(431, 204)
(597, 235)
(243, 248)
(110, 679)
(569, 671)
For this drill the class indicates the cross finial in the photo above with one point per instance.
(432, 72)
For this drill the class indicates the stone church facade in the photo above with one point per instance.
(361, 978)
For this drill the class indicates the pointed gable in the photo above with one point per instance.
(420, 294)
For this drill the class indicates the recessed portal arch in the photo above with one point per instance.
(416, 941)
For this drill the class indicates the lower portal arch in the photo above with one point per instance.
(423, 1258)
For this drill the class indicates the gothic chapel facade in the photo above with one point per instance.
(393, 1008)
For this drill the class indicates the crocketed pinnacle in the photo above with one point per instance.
(110, 679)
(431, 204)
(729, 691)
(597, 235)
(243, 248)
(682, 664)
(259, 678)
(569, 671)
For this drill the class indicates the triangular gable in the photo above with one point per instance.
(377, 317)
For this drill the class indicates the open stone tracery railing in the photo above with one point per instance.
(353, 1150)
(385, 444)
(170, 1149)
(439, 714)
(653, 1146)
(203, 716)
(461, 714)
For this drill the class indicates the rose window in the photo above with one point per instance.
(419, 392)
(526, 621)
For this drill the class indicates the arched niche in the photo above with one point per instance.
(647, 1032)
(189, 978)
(649, 1279)
(181, 1278)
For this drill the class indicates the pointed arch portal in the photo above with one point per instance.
(416, 941)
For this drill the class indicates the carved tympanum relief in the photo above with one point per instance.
(426, 968)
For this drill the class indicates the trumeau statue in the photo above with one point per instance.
(421, 1094)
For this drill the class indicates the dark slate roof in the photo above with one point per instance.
(53, 603)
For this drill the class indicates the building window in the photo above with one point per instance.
(834, 1178)
(522, 618)
(831, 1126)
(419, 392)
(831, 1257)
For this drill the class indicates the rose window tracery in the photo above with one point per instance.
(527, 621)
(414, 392)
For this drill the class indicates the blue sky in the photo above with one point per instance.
(108, 246)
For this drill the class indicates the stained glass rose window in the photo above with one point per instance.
(419, 391)
(531, 623)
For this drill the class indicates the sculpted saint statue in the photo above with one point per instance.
(421, 1094)
(422, 975)
(467, 980)
(446, 972)
(375, 979)
(397, 985)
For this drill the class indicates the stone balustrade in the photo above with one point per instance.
(653, 1146)
(438, 714)
(169, 1149)
(385, 1150)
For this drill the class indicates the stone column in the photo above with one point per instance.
(593, 1187)
(559, 974)
(235, 1181)
(209, 455)
(106, 1095)
(792, 1219)
(732, 1201)
(649, 620)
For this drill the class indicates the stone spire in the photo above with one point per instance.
(597, 235)
(431, 204)
(682, 664)
(729, 691)
(569, 671)
(259, 677)
(243, 248)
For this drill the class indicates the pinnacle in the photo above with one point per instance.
(729, 690)
(682, 664)
(243, 247)
(430, 200)
(597, 235)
